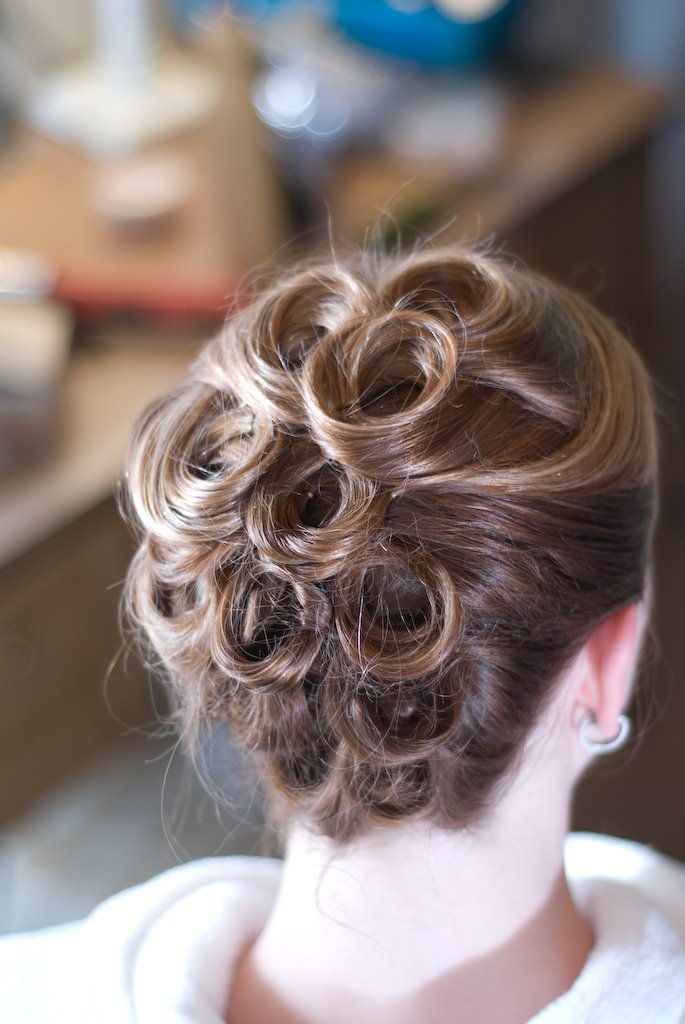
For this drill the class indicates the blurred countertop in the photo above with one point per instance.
(563, 127)
(105, 387)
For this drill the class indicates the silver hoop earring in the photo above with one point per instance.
(604, 746)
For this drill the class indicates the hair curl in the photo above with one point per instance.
(379, 518)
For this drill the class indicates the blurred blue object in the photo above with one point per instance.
(425, 35)
(418, 32)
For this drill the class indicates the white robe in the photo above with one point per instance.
(164, 952)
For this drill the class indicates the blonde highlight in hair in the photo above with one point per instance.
(381, 515)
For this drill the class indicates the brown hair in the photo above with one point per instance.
(380, 517)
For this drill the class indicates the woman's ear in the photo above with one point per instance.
(609, 663)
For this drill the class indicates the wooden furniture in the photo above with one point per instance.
(569, 194)
(563, 128)
(105, 388)
(68, 687)
(46, 206)
(232, 220)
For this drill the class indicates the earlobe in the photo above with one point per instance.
(610, 658)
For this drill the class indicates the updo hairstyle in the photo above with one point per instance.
(383, 513)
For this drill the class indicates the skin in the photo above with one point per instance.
(414, 923)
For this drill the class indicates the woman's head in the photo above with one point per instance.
(383, 514)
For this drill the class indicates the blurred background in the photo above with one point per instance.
(155, 155)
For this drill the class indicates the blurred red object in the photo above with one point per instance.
(93, 298)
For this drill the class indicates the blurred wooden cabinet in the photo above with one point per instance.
(569, 196)
(66, 688)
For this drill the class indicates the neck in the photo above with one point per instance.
(408, 922)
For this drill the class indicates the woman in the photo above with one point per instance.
(395, 531)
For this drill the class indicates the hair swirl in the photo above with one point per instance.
(380, 517)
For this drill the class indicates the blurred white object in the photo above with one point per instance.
(460, 124)
(34, 346)
(142, 192)
(291, 101)
(25, 275)
(470, 10)
(129, 95)
(316, 87)
(124, 41)
(35, 338)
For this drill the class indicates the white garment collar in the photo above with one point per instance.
(635, 973)
(177, 962)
